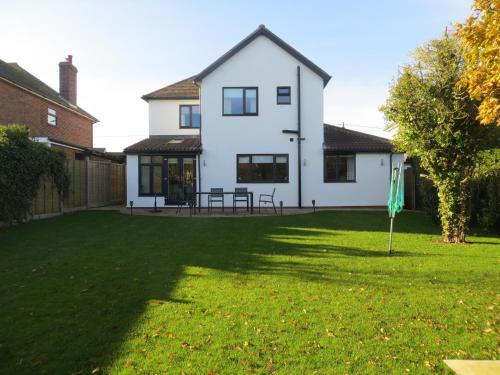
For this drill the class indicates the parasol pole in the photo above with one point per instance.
(390, 235)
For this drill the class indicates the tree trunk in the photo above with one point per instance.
(453, 210)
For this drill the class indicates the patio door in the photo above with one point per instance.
(180, 178)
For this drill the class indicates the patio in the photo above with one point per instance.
(228, 212)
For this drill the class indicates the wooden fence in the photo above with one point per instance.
(91, 184)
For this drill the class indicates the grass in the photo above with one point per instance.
(316, 293)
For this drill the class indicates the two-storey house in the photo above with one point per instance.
(254, 119)
(52, 117)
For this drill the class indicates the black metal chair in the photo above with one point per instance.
(268, 198)
(215, 196)
(240, 195)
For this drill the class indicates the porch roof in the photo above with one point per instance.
(166, 143)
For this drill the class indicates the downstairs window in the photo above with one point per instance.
(262, 168)
(339, 168)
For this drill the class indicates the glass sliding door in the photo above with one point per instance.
(174, 183)
(181, 178)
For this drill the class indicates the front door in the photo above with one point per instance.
(180, 178)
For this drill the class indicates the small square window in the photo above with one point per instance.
(51, 117)
(283, 95)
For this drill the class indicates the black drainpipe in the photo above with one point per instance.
(201, 146)
(299, 140)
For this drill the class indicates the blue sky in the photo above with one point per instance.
(124, 49)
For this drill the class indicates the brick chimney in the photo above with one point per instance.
(67, 80)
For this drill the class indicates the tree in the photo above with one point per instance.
(435, 120)
(480, 37)
(22, 164)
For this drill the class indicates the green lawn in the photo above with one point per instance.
(313, 293)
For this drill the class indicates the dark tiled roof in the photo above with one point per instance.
(262, 30)
(166, 143)
(12, 72)
(185, 89)
(337, 139)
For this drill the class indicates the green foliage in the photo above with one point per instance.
(485, 207)
(427, 198)
(22, 165)
(435, 120)
(485, 196)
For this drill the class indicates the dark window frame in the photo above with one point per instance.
(337, 158)
(289, 95)
(51, 115)
(274, 181)
(190, 106)
(151, 174)
(244, 88)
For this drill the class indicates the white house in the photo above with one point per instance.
(254, 119)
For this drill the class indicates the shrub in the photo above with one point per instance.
(484, 197)
(427, 198)
(22, 165)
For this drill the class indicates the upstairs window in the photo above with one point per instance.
(240, 101)
(51, 117)
(283, 95)
(262, 168)
(189, 116)
(340, 168)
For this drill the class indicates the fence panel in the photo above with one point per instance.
(47, 198)
(91, 184)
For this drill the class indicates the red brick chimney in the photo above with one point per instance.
(67, 80)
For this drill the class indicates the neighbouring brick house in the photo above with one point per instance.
(53, 118)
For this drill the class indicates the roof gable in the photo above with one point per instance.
(185, 89)
(337, 139)
(263, 31)
(13, 73)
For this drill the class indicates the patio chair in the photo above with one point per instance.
(240, 195)
(215, 196)
(268, 198)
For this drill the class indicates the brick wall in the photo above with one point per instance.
(18, 106)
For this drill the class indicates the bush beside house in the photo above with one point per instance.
(23, 164)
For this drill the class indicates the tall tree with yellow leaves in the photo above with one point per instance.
(480, 37)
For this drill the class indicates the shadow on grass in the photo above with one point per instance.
(72, 287)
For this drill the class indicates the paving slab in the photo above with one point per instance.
(468, 367)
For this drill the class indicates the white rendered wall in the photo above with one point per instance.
(164, 117)
(370, 189)
(265, 65)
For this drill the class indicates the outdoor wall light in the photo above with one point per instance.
(305, 162)
(382, 162)
(204, 163)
